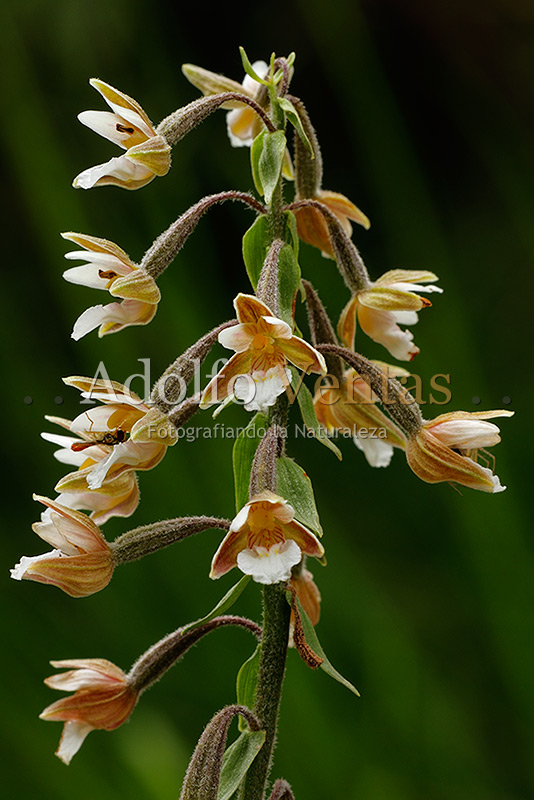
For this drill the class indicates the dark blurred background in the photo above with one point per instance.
(425, 111)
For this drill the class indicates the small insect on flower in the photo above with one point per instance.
(111, 438)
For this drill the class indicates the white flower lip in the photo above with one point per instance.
(72, 738)
(270, 566)
(260, 390)
(26, 562)
(377, 452)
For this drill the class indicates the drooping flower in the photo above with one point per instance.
(113, 438)
(382, 305)
(109, 267)
(309, 597)
(243, 124)
(311, 225)
(147, 153)
(351, 406)
(265, 541)
(81, 562)
(257, 374)
(449, 449)
(102, 700)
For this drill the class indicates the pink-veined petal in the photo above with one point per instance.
(218, 388)
(250, 309)
(302, 355)
(226, 556)
(346, 328)
(238, 337)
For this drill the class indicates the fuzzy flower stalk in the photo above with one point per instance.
(104, 696)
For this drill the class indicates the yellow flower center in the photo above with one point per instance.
(262, 342)
(264, 530)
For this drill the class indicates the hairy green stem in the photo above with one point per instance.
(276, 612)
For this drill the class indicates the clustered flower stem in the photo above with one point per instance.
(276, 611)
(276, 527)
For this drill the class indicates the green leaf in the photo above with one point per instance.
(243, 455)
(291, 236)
(294, 486)
(309, 417)
(288, 282)
(237, 760)
(257, 240)
(255, 245)
(270, 162)
(247, 679)
(293, 116)
(255, 154)
(247, 66)
(223, 605)
(313, 641)
(279, 74)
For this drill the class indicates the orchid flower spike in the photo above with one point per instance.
(257, 374)
(109, 267)
(382, 305)
(147, 153)
(265, 541)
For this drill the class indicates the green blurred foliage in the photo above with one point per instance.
(425, 112)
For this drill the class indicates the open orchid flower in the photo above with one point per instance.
(109, 267)
(113, 438)
(257, 374)
(351, 407)
(265, 541)
(81, 562)
(147, 153)
(450, 447)
(102, 700)
(383, 305)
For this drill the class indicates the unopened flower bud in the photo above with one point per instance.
(204, 771)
